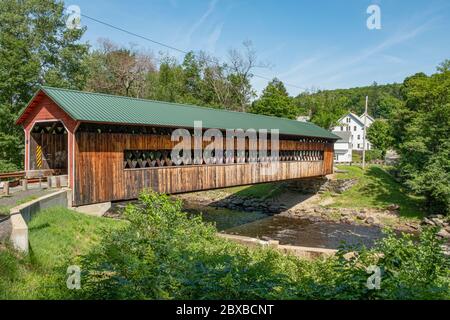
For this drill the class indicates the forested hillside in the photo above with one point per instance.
(327, 106)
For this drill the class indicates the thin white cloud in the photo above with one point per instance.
(394, 40)
(345, 67)
(211, 6)
(393, 59)
(214, 37)
(303, 64)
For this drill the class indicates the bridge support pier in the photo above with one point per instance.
(308, 185)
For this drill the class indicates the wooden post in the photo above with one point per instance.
(364, 135)
(6, 188)
(24, 184)
(51, 182)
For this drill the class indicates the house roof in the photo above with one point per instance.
(343, 135)
(368, 117)
(103, 108)
(359, 119)
(354, 116)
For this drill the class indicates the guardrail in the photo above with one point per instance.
(21, 175)
(12, 175)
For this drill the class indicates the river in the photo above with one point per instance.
(287, 230)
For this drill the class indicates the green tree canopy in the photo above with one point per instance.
(275, 101)
(36, 48)
(421, 129)
(379, 134)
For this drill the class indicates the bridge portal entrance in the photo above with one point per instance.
(49, 148)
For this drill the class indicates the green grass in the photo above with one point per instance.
(356, 157)
(4, 210)
(58, 237)
(26, 199)
(376, 188)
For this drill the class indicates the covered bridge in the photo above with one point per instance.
(112, 147)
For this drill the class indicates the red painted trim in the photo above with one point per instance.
(43, 109)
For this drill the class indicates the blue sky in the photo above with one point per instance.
(322, 44)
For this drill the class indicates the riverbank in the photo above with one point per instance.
(364, 198)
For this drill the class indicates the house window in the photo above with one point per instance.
(348, 120)
(359, 136)
(359, 145)
(354, 128)
(342, 128)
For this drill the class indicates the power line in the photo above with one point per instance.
(171, 47)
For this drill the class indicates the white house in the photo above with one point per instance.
(355, 125)
(343, 147)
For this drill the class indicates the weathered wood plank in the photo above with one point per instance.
(100, 173)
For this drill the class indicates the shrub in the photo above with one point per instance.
(410, 269)
(7, 166)
(374, 154)
(164, 254)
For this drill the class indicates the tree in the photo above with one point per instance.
(202, 80)
(275, 101)
(379, 134)
(387, 104)
(168, 83)
(241, 66)
(421, 129)
(192, 79)
(36, 48)
(216, 87)
(118, 70)
(327, 106)
(444, 66)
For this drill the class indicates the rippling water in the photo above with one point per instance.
(302, 232)
(287, 230)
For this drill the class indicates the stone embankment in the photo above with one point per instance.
(321, 185)
(248, 204)
(439, 221)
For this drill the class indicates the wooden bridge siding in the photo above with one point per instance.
(328, 158)
(100, 175)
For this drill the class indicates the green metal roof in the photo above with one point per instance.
(95, 107)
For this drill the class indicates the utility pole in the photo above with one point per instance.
(364, 135)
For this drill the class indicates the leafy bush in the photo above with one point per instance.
(7, 166)
(164, 254)
(374, 154)
(409, 270)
